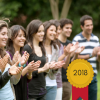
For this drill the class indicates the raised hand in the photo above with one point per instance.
(15, 57)
(3, 62)
(67, 49)
(80, 49)
(74, 47)
(14, 70)
(95, 51)
(33, 66)
(24, 58)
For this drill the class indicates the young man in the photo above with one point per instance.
(90, 41)
(66, 29)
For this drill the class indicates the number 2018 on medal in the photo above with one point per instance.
(80, 72)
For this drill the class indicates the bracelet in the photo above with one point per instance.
(24, 65)
(20, 65)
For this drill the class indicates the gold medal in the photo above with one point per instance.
(80, 73)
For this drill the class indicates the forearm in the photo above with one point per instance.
(67, 61)
(75, 57)
(86, 57)
(24, 71)
(15, 78)
(61, 57)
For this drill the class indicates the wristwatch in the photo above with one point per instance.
(90, 55)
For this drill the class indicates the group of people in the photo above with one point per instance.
(33, 62)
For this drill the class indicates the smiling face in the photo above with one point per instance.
(67, 30)
(88, 27)
(51, 32)
(3, 37)
(40, 34)
(20, 39)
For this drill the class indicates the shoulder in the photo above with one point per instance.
(27, 48)
(95, 37)
(77, 37)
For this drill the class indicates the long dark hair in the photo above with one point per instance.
(14, 31)
(2, 25)
(47, 24)
(31, 30)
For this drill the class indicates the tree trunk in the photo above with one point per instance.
(65, 8)
(54, 8)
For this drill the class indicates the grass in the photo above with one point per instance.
(98, 92)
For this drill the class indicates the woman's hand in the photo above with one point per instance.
(15, 57)
(14, 70)
(32, 66)
(56, 65)
(3, 62)
(24, 58)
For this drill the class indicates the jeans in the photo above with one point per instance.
(92, 89)
(51, 92)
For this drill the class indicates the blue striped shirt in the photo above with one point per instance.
(89, 46)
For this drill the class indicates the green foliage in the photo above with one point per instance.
(82, 7)
(23, 11)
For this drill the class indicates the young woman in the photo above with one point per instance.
(52, 52)
(15, 49)
(11, 70)
(35, 34)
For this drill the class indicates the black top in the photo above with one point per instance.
(4, 79)
(37, 86)
(64, 77)
(21, 86)
(21, 89)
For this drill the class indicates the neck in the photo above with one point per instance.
(35, 43)
(62, 38)
(86, 35)
(47, 42)
(16, 48)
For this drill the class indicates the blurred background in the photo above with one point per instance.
(23, 11)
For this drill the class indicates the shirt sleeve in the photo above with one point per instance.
(4, 79)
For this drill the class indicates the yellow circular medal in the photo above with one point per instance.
(80, 73)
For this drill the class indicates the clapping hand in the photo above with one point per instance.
(14, 70)
(24, 58)
(56, 65)
(80, 49)
(32, 66)
(15, 57)
(3, 62)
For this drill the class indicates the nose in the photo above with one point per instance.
(23, 38)
(90, 27)
(54, 32)
(42, 33)
(69, 30)
(6, 36)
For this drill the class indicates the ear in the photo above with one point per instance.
(82, 27)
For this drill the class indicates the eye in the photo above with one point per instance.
(3, 33)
